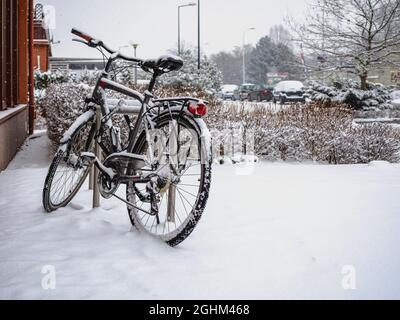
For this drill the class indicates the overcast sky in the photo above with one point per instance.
(153, 23)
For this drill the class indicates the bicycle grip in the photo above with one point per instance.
(81, 34)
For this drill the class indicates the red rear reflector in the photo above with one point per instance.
(199, 110)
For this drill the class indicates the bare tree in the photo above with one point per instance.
(280, 35)
(351, 35)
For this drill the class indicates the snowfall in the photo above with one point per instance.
(272, 231)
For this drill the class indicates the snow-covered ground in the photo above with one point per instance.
(284, 231)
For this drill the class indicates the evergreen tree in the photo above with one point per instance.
(270, 57)
(262, 61)
(287, 61)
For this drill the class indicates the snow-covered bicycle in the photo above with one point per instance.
(165, 162)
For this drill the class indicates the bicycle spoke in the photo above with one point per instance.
(183, 203)
(187, 192)
(188, 202)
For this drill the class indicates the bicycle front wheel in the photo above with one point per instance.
(68, 171)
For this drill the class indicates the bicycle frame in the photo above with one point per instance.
(98, 97)
(146, 101)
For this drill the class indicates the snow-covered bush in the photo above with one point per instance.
(44, 79)
(376, 98)
(376, 141)
(208, 78)
(316, 132)
(61, 106)
(64, 102)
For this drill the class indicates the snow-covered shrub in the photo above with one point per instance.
(44, 79)
(88, 77)
(376, 141)
(323, 132)
(317, 132)
(62, 105)
(208, 78)
(320, 92)
(64, 102)
(376, 98)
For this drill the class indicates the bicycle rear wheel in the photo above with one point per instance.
(183, 199)
(68, 171)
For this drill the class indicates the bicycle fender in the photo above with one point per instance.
(199, 124)
(85, 117)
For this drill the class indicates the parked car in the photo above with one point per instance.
(289, 91)
(227, 91)
(261, 93)
(242, 93)
(395, 97)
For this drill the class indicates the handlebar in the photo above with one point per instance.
(94, 43)
(81, 35)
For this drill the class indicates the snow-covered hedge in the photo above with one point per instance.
(44, 79)
(60, 107)
(64, 102)
(318, 131)
(313, 132)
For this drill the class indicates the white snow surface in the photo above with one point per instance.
(284, 231)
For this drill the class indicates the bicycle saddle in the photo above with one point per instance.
(164, 64)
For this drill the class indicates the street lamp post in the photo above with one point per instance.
(135, 46)
(198, 36)
(191, 4)
(244, 53)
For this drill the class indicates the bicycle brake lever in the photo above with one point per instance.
(90, 44)
(81, 41)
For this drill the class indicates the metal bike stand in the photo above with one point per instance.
(91, 173)
(95, 172)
